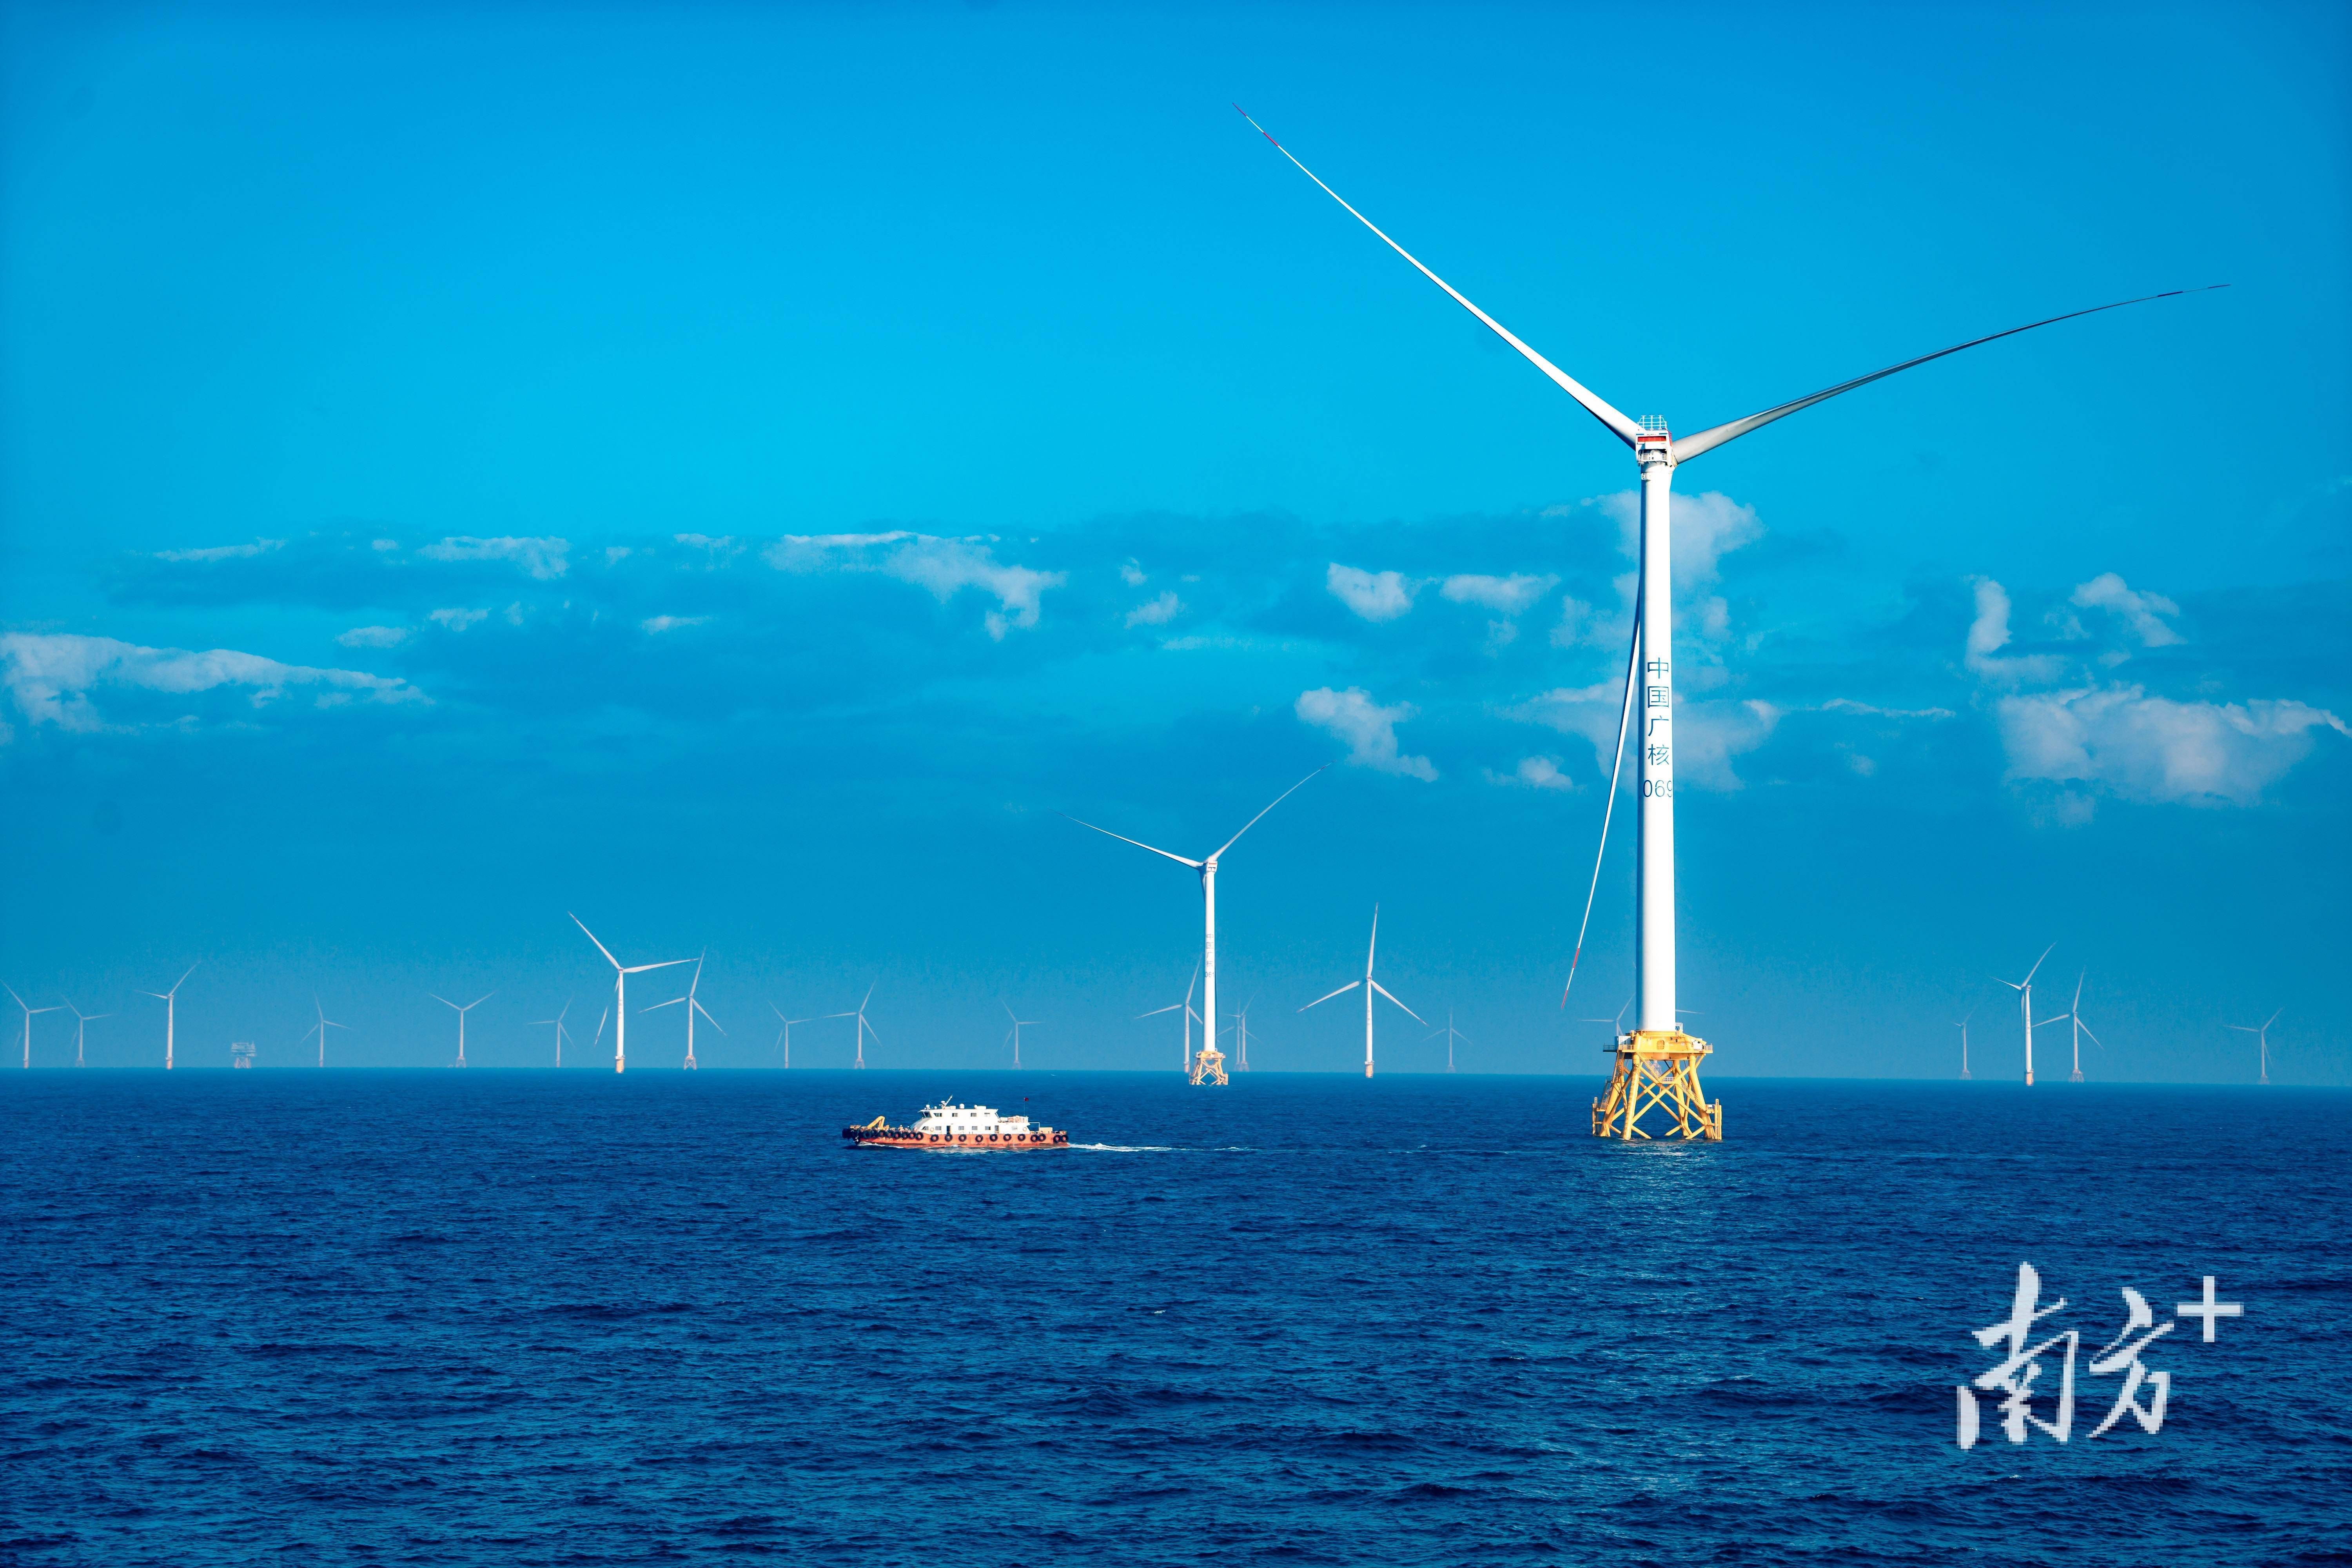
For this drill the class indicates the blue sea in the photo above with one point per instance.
(565, 1318)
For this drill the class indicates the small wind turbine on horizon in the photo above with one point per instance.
(1657, 453)
(784, 1035)
(1241, 1035)
(461, 1012)
(1451, 1034)
(2024, 989)
(1191, 1017)
(325, 1024)
(1013, 1034)
(1963, 1027)
(693, 1006)
(2261, 1033)
(864, 1028)
(559, 1030)
(1370, 985)
(620, 1010)
(2074, 1014)
(171, 1010)
(83, 1021)
(1207, 868)
(29, 1011)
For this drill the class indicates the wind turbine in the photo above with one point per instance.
(2074, 1015)
(171, 1008)
(1189, 1016)
(1963, 1027)
(602, 1018)
(461, 1012)
(1451, 1034)
(1241, 1035)
(2261, 1033)
(83, 1021)
(560, 1031)
(784, 1035)
(1657, 453)
(693, 1006)
(325, 1024)
(1013, 1034)
(620, 993)
(1370, 985)
(28, 1022)
(1208, 870)
(2024, 989)
(863, 1026)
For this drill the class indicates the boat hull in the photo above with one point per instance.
(960, 1142)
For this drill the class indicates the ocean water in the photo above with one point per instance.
(561, 1318)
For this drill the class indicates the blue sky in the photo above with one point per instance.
(737, 475)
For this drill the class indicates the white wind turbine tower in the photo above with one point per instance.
(1963, 1027)
(1657, 453)
(559, 1030)
(2024, 989)
(784, 1035)
(1013, 1034)
(1189, 1016)
(83, 1021)
(1370, 985)
(1451, 1034)
(1241, 1035)
(171, 1010)
(2261, 1033)
(28, 1022)
(2074, 1015)
(693, 1006)
(1208, 869)
(325, 1024)
(461, 1012)
(620, 993)
(864, 1028)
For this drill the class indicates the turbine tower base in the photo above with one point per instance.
(1658, 1070)
(1209, 1067)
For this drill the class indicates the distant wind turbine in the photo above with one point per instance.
(83, 1021)
(461, 1012)
(864, 1028)
(1207, 867)
(1657, 453)
(2024, 989)
(1452, 1035)
(620, 993)
(1189, 1016)
(1963, 1027)
(1013, 1034)
(693, 1006)
(1240, 1035)
(28, 1022)
(2074, 1015)
(1370, 985)
(2261, 1033)
(325, 1024)
(784, 1035)
(559, 1030)
(170, 1009)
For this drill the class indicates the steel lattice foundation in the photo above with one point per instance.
(1658, 1071)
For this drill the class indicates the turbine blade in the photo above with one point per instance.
(665, 963)
(1408, 1012)
(660, 1006)
(591, 937)
(1277, 800)
(1690, 447)
(1157, 1011)
(1608, 807)
(479, 1000)
(1372, 946)
(706, 1015)
(1624, 430)
(2038, 964)
(442, 1000)
(1123, 838)
(1328, 995)
(183, 980)
(2272, 1018)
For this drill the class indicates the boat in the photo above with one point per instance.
(963, 1128)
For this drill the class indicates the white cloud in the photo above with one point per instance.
(2141, 612)
(616, 554)
(223, 552)
(458, 620)
(1375, 595)
(1131, 574)
(544, 559)
(51, 676)
(384, 543)
(1590, 712)
(374, 636)
(1989, 633)
(1848, 705)
(1505, 595)
(1158, 613)
(1369, 728)
(944, 566)
(1707, 735)
(659, 624)
(2155, 748)
(1534, 772)
(718, 548)
(1706, 526)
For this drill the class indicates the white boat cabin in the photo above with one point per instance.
(949, 1118)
